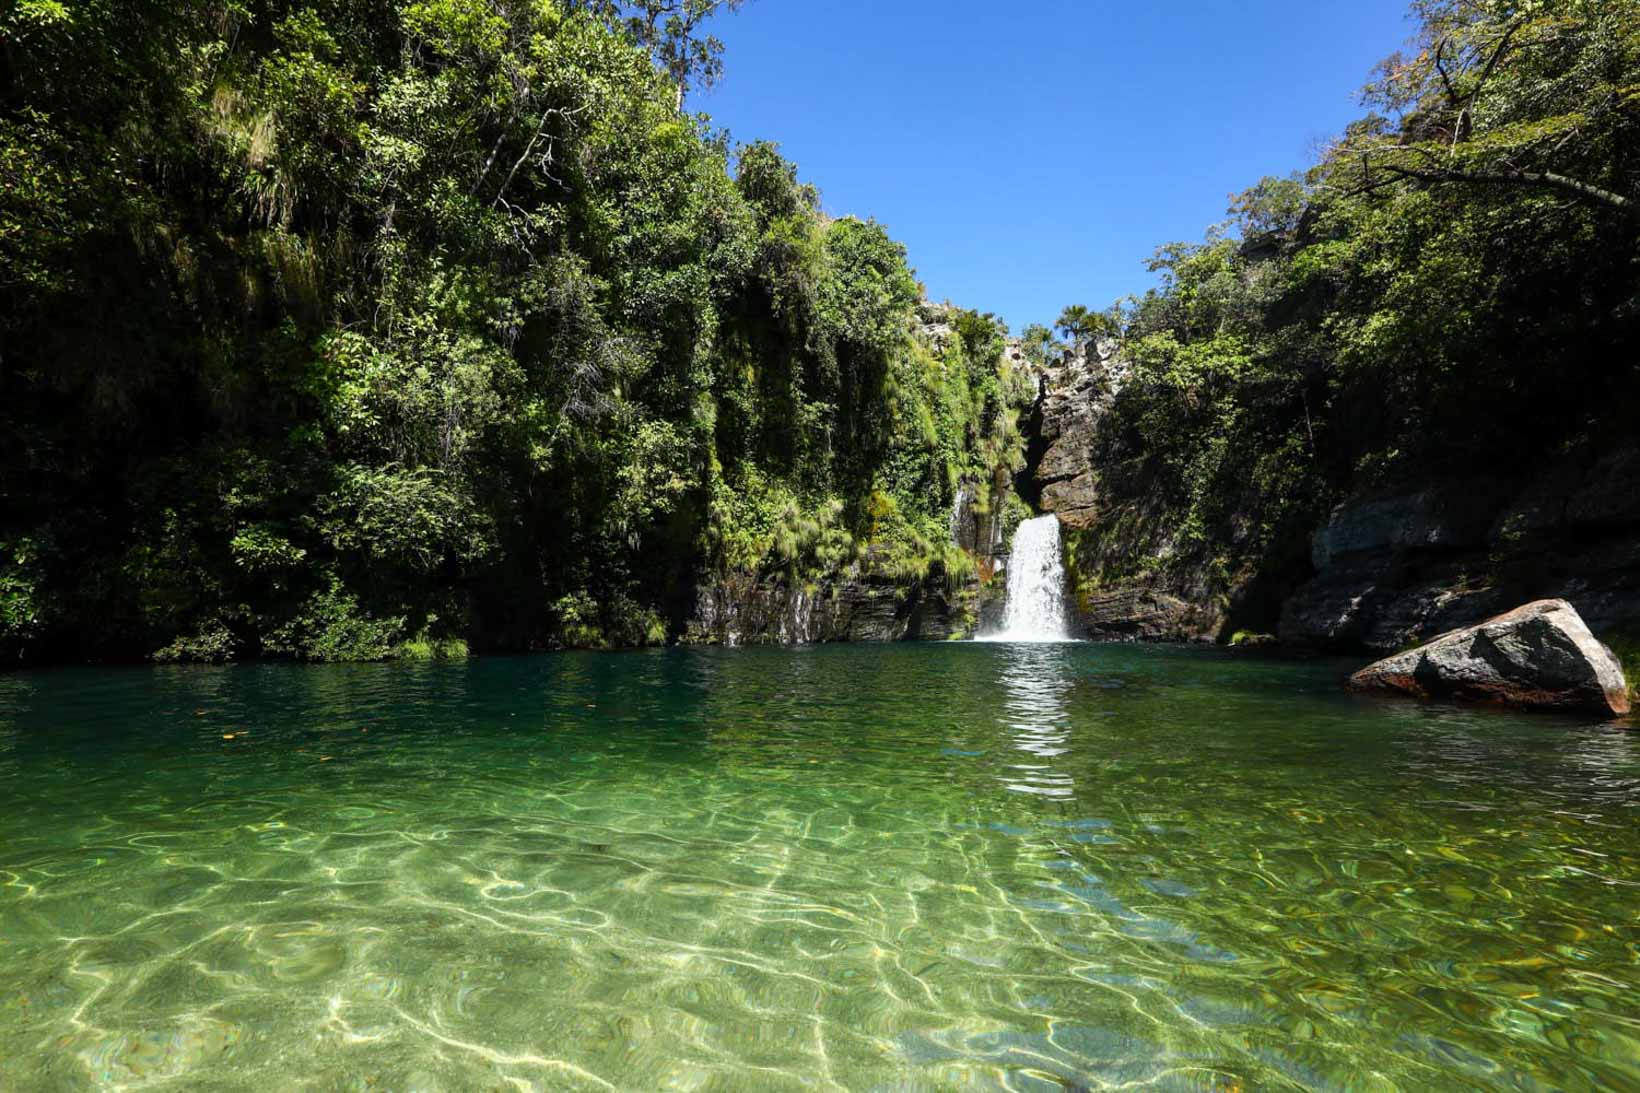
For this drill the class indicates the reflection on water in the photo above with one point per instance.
(1036, 681)
(994, 867)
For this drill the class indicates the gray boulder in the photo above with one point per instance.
(1540, 655)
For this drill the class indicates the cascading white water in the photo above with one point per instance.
(957, 506)
(1035, 610)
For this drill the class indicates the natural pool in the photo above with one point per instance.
(867, 868)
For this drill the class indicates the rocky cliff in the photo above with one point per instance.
(1129, 577)
(858, 605)
(867, 600)
(1389, 568)
(864, 603)
(1399, 567)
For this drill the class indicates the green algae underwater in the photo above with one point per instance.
(937, 867)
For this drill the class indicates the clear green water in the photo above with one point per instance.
(868, 868)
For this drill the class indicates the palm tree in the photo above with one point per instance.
(1077, 323)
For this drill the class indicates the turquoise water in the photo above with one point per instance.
(1058, 867)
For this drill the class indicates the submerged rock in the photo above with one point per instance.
(1540, 655)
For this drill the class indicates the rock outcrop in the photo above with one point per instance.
(862, 606)
(1076, 393)
(1394, 568)
(1387, 569)
(1541, 655)
(1126, 580)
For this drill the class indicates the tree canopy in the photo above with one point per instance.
(1453, 288)
(342, 328)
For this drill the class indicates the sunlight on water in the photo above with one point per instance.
(1028, 867)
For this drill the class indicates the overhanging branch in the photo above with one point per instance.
(1547, 179)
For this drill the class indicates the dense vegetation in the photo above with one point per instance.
(1453, 288)
(359, 328)
(353, 328)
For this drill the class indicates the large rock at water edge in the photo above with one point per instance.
(1540, 655)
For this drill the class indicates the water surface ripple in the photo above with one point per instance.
(985, 867)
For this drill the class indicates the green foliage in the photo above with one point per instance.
(1038, 344)
(424, 646)
(351, 331)
(1079, 324)
(1014, 513)
(1625, 645)
(1423, 303)
(212, 643)
(22, 595)
(583, 623)
(1273, 207)
(812, 542)
(1534, 99)
(261, 549)
(420, 520)
(331, 626)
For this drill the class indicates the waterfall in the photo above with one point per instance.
(1035, 609)
(956, 514)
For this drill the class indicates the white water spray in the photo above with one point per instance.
(1035, 610)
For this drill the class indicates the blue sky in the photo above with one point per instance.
(1034, 155)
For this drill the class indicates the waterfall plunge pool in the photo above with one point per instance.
(934, 867)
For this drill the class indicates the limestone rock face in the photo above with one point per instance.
(1540, 655)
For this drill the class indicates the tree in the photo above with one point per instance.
(1531, 94)
(1273, 207)
(327, 330)
(1079, 323)
(670, 30)
(1038, 343)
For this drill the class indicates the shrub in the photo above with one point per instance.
(331, 626)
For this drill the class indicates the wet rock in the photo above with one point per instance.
(862, 606)
(1539, 656)
(980, 530)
